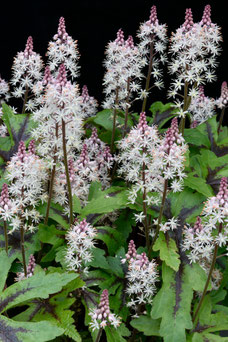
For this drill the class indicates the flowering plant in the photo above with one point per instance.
(113, 224)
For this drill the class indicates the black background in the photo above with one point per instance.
(93, 24)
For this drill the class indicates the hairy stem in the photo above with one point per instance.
(145, 208)
(195, 317)
(25, 99)
(23, 248)
(99, 335)
(148, 73)
(221, 119)
(114, 120)
(6, 236)
(160, 212)
(67, 171)
(186, 105)
(127, 107)
(51, 179)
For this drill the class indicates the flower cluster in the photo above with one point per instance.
(137, 162)
(141, 275)
(194, 48)
(88, 103)
(201, 107)
(5, 204)
(172, 153)
(79, 246)
(222, 101)
(4, 90)
(63, 50)
(93, 164)
(123, 66)
(27, 70)
(152, 46)
(27, 175)
(30, 269)
(61, 102)
(171, 224)
(209, 230)
(102, 316)
(4, 97)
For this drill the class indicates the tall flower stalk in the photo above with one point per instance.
(193, 48)
(215, 215)
(152, 46)
(222, 103)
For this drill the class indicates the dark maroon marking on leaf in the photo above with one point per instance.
(46, 305)
(159, 117)
(36, 309)
(8, 334)
(212, 180)
(178, 290)
(92, 217)
(89, 298)
(17, 137)
(14, 240)
(219, 151)
(7, 300)
(92, 279)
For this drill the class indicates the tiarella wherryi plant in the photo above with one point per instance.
(113, 225)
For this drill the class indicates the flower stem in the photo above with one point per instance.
(145, 208)
(148, 73)
(194, 319)
(99, 335)
(23, 248)
(6, 236)
(160, 212)
(51, 179)
(25, 100)
(114, 120)
(67, 171)
(221, 119)
(186, 105)
(127, 107)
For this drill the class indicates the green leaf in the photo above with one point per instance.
(99, 261)
(116, 266)
(125, 222)
(111, 237)
(12, 331)
(55, 309)
(187, 204)
(38, 286)
(197, 136)
(173, 302)
(55, 213)
(162, 113)
(49, 234)
(198, 184)
(116, 335)
(19, 127)
(5, 264)
(76, 205)
(107, 201)
(168, 253)
(147, 325)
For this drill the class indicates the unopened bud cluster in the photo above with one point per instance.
(102, 316)
(30, 269)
